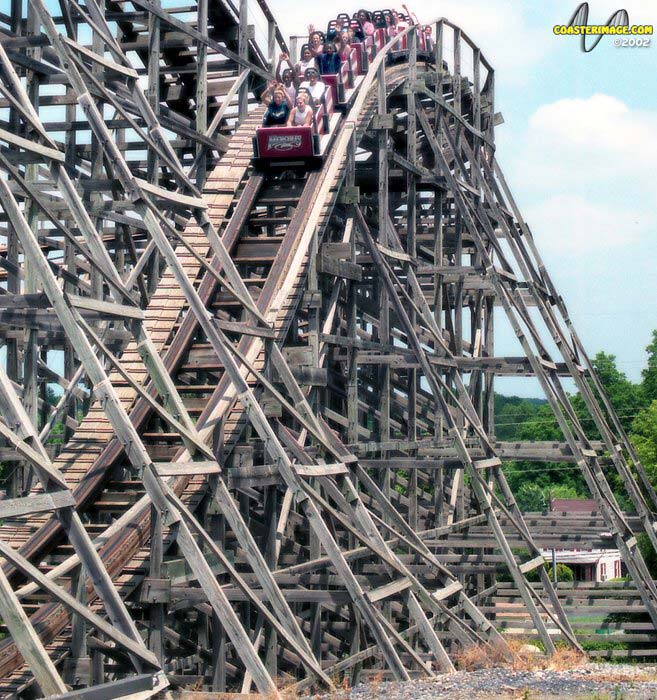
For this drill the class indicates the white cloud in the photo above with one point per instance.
(502, 29)
(584, 142)
(569, 224)
(587, 168)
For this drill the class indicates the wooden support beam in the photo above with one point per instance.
(27, 640)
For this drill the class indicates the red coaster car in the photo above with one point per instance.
(285, 146)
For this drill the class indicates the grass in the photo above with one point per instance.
(599, 619)
(517, 657)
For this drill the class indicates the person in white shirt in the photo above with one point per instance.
(289, 82)
(302, 114)
(307, 61)
(428, 39)
(287, 77)
(313, 85)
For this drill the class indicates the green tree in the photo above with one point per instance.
(644, 438)
(511, 413)
(531, 498)
(626, 397)
(533, 420)
(649, 374)
(564, 573)
(564, 491)
(541, 426)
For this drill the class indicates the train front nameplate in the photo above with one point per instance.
(285, 142)
(281, 142)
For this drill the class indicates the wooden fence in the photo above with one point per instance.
(609, 619)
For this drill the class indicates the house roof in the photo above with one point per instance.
(573, 505)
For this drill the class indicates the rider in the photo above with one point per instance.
(329, 61)
(365, 20)
(313, 85)
(391, 25)
(290, 83)
(307, 61)
(278, 110)
(315, 41)
(344, 46)
(428, 39)
(302, 114)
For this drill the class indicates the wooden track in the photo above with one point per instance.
(89, 458)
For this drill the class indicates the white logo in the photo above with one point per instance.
(283, 142)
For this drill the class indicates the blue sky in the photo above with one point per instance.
(579, 150)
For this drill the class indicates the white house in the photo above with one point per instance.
(587, 564)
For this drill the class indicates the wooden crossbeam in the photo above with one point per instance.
(36, 503)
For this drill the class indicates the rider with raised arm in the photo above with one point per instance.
(412, 17)
(283, 63)
(290, 84)
(278, 110)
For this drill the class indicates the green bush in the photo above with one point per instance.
(564, 574)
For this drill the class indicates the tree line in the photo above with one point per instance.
(518, 419)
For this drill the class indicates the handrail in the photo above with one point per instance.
(336, 154)
(467, 39)
(269, 16)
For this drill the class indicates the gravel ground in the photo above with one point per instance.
(588, 682)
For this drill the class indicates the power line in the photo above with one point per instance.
(549, 421)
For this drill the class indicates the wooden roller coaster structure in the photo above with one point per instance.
(271, 459)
